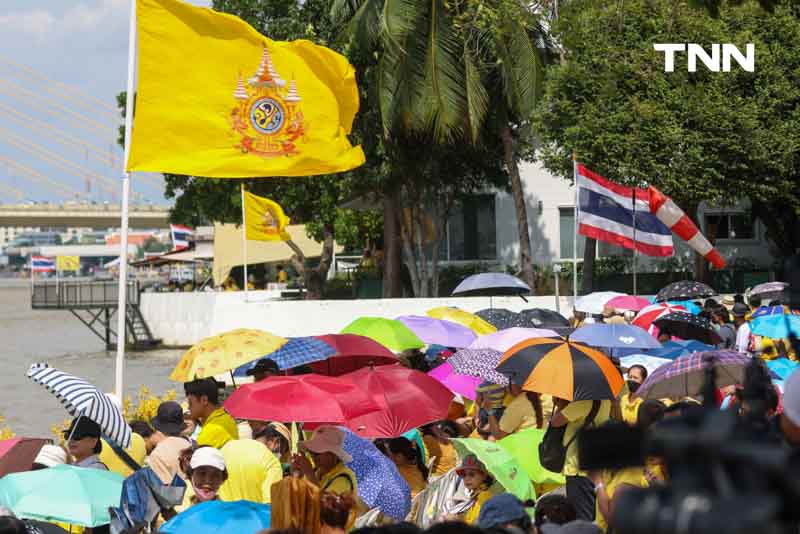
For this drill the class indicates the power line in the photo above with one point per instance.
(38, 177)
(65, 89)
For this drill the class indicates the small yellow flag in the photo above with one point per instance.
(264, 219)
(68, 263)
(217, 99)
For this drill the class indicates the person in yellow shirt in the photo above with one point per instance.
(436, 438)
(282, 276)
(607, 485)
(218, 428)
(207, 472)
(123, 461)
(525, 411)
(409, 463)
(478, 482)
(628, 403)
(328, 472)
(252, 470)
(575, 416)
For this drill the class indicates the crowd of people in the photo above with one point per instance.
(305, 473)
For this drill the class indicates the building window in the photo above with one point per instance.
(730, 226)
(566, 229)
(472, 231)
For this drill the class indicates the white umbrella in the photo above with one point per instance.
(594, 302)
(651, 363)
(79, 397)
(502, 340)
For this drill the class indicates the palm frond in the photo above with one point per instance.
(521, 67)
(477, 96)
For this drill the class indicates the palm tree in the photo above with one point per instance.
(456, 71)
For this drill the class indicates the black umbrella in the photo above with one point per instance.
(687, 326)
(500, 318)
(685, 290)
(540, 318)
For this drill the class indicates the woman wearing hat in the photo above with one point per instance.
(83, 443)
(206, 472)
(328, 472)
(478, 481)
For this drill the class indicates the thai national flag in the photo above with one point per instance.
(181, 236)
(605, 213)
(41, 264)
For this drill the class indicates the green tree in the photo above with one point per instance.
(455, 71)
(698, 136)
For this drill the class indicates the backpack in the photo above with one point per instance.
(553, 451)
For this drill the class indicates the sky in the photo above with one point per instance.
(62, 63)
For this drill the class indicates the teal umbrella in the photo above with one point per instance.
(776, 326)
(65, 493)
(392, 334)
(500, 463)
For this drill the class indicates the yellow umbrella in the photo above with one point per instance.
(470, 320)
(224, 352)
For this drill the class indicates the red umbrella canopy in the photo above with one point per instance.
(302, 399)
(18, 454)
(352, 353)
(407, 399)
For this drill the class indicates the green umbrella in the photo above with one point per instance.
(500, 463)
(389, 333)
(524, 446)
(65, 493)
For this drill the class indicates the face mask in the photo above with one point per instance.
(633, 386)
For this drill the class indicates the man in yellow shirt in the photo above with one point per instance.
(577, 415)
(521, 413)
(218, 428)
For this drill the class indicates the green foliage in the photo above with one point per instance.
(696, 136)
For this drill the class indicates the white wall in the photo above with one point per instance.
(182, 319)
(554, 192)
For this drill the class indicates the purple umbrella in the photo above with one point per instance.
(464, 385)
(685, 376)
(488, 284)
(438, 332)
(480, 364)
(502, 340)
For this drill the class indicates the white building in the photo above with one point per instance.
(485, 227)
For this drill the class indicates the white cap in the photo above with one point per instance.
(207, 456)
(51, 456)
(791, 398)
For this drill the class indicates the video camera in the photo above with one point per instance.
(728, 473)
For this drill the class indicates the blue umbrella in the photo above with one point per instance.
(380, 484)
(670, 349)
(615, 336)
(213, 517)
(776, 326)
(782, 367)
(690, 306)
(297, 351)
(489, 284)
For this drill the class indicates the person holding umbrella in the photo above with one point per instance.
(329, 473)
(83, 443)
(743, 334)
(218, 428)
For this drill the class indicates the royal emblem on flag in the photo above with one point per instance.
(268, 116)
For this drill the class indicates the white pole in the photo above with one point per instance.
(575, 232)
(244, 244)
(635, 289)
(122, 295)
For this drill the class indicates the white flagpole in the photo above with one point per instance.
(575, 233)
(635, 291)
(122, 295)
(244, 244)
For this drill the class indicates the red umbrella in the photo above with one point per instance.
(352, 353)
(407, 399)
(17, 454)
(303, 398)
(645, 318)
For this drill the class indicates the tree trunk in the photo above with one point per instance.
(314, 279)
(525, 260)
(409, 258)
(589, 253)
(392, 243)
(422, 256)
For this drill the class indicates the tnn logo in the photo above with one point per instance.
(694, 52)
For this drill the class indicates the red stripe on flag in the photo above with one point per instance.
(641, 194)
(685, 228)
(623, 241)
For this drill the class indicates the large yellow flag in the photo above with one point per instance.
(215, 98)
(264, 219)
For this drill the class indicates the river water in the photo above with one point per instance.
(61, 340)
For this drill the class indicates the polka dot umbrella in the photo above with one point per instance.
(685, 290)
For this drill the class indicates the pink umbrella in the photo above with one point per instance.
(502, 340)
(628, 302)
(646, 317)
(464, 385)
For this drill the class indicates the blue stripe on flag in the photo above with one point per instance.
(603, 206)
